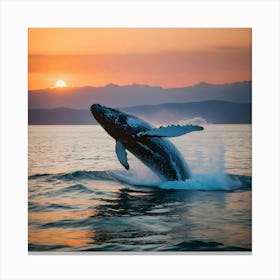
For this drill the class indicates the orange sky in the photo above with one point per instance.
(168, 57)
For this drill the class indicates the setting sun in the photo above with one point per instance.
(60, 83)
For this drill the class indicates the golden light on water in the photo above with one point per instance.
(57, 236)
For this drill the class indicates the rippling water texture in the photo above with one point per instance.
(81, 199)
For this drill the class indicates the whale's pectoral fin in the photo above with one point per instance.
(121, 154)
(170, 131)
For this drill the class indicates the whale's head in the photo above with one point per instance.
(117, 124)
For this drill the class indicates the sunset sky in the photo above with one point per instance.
(167, 57)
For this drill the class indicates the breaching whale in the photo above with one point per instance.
(147, 143)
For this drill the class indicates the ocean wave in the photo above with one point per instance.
(204, 182)
(41, 247)
(74, 188)
(210, 182)
(198, 245)
(68, 223)
(191, 246)
(37, 207)
(77, 175)
(186, 246)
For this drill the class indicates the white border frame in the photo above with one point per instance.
(262, 16)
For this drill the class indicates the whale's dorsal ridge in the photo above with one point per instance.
(170, 131)
(122, 154)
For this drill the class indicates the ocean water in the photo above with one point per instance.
(81, 199)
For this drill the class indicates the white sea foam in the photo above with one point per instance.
(204, 182)
(140, 177)
(144, 178)
(193, 121)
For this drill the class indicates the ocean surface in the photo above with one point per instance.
(81, 199)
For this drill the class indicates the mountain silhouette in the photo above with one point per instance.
(214, 111)
(135, 95)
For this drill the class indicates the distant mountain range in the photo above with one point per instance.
(214, 111)
(135, 95)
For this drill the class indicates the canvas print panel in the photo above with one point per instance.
(139, 139)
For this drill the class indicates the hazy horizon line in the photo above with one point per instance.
(138, 84)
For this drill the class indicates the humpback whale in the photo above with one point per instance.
(144, 141)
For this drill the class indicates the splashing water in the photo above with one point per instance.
(204, 182)
(194, 121)
(212, 181)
